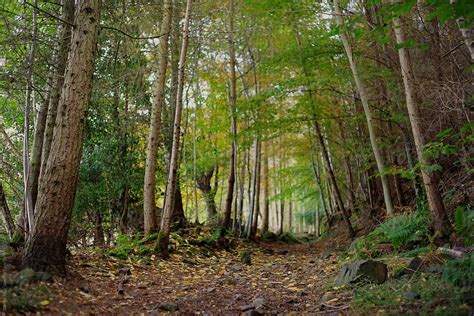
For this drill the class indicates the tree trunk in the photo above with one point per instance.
(46, 246)
(348, 169)
(172, 176)
(7, 216)
(332, 177)
(430, 179)
(232, 108)
(150, 222)
(255, 201)
(35, 161)
(204, 183)
(28, 203)
(56, 90)
(368, 114)
(266, 197)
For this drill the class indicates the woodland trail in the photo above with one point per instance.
(281, 279)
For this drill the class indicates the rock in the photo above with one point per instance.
(125, 271)
(168, 307)
(411, 296)
(268, 251)
(28, 276)
(189, 262)
(415, 265)
(257, 304)
(355, 271)
(326, 297)
(326, 254)
(236, 268)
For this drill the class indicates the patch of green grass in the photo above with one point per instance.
(437, 297)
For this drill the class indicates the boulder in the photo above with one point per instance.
(355, 271)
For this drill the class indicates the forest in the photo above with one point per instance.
(237, 157)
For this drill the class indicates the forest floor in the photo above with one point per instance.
(280, 278)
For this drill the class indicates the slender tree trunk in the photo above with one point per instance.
(149, 206)
(255, 201)
(430, 179)
(172, 176)
(266, 196)
(348, 169)
(332, 177)
(46, 246)
(368, 114)
(29, 207)
(35, 161)
(7, 216)
(233, 102)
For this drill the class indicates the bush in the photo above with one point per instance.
(464, 224)
(289, 238)
(460, 272)
(400, 231)
(269, 236)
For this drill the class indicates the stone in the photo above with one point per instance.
(411, 296)
(236, 268)
(416, 265)
(359, 270)
(168, 307)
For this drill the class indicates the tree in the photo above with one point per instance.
(149, 205)
(368, 114)
(46, 245)
(233, 123)
(172, 176)
(430, 179)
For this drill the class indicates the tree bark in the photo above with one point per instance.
(149, 206)
(367, 111)
(232, 108)
(60, 66)
(28, 203)
(46, 246)
(172, 176)
(435, 200)
(7, 216)
(266, 196)
(209, 193)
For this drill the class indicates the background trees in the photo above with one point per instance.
(274, 133)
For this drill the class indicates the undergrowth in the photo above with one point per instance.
(402, 231)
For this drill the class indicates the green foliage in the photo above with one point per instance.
(460, 272)
(438, 297)
(246, 258)
(464, 224)
(126, 246)
(25, 299)
(269, 236)
(288, 238)
(123, 247)
(401, 231)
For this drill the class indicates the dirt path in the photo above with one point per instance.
(280, 279)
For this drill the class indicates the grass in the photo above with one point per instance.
(437, 297)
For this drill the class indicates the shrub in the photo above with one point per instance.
(464, 224)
